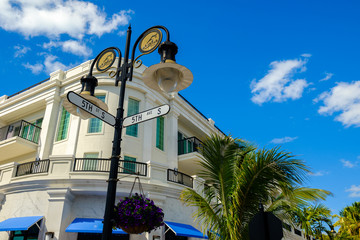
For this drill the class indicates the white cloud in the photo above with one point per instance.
(343, 98)
(318, 173)
(21, 51)
(348, 164)
(277, 85)
(71, 46)
(354, 191)
(51, 65)
(55, 17)
(76, 48)
(35, 69)
(327, 76)
(306, 55)
(283, 140)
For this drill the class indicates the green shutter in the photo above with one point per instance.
(95, 124)
(129, 167)
(133, 108)
(160, 133)
(63, 125)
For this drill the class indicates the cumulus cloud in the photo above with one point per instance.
(283, 140)
(318, 173)
(52, 18)
(348, 164)
(306, 55)
(50, 65)
(71, 46)
(35, 68)
(327, 77)
(354, 191)
(21, 51)
(278, 85)
(344, 98)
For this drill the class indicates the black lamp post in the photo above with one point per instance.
(167, 76)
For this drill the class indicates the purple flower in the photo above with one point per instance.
(138, 211)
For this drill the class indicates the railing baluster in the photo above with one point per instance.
(179, 177)
(103, 165)
(34, 167)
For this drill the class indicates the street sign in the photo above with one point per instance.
(91, 108)
(146, 115)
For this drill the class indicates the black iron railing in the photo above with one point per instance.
(103, 165)
(188, 145)
(22, 129)
(179, 177)
(40, 166)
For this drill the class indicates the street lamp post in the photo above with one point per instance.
(167, 76)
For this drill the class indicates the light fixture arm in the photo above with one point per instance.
(133, 59)
(98, 56)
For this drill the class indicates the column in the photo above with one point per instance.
(58, 215)
(148, 130)
(171, 136)
(48, 127)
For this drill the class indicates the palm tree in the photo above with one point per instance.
(315, 220)
(239, 177)
(349, 221)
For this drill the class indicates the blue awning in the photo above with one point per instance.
(19, 223)
(89, 225)
(185, 230)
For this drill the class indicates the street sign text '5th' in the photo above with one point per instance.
(91, 108)
(146, 115)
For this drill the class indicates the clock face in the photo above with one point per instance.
(150, 41)
(106, 60)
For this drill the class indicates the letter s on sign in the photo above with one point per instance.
(159, 111)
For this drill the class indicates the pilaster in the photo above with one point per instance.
(171, 136)
(148, 130)
(60, 201)
(48, 127)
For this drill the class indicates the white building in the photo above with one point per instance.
(69, 181)
(44, 199)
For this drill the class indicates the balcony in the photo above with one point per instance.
(188, 155)
(18, 139)
(179, 177)
(41, 166)
(103, 165)
(188, 145)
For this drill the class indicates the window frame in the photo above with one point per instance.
(160, 133)
(100, 122)
(63, 110)
(131, 128)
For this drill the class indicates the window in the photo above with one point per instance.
(129, 165)
(63, 125)
(30, 132)
(160, 133)
(90, 164)
(31, 234)
(95, 124)
(133, 108)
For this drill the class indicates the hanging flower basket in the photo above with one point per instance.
(137, 214)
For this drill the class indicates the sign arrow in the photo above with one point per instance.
(91, 108)
(146, 115)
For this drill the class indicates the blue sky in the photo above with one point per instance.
(271, 72)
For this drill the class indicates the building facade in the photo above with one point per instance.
(54, 165)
